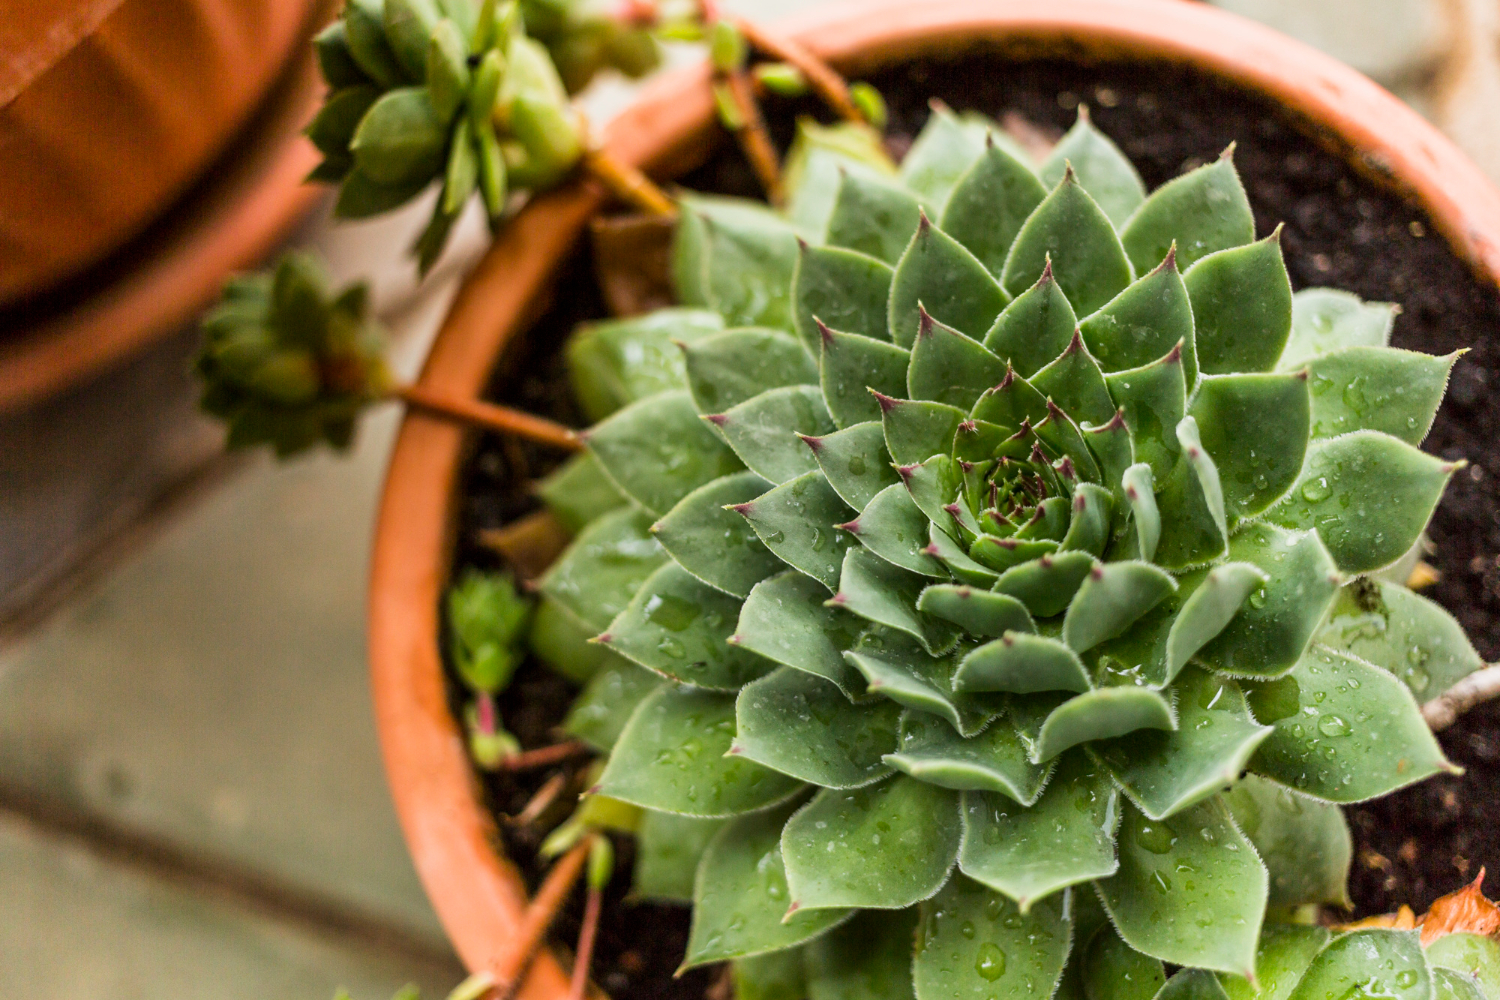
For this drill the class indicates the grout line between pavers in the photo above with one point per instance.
(199, 872)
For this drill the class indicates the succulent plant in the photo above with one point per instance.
(285, 362)
(986, 525)
(459, 92)
(487, 620)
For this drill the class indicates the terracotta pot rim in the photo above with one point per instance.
(476, 891)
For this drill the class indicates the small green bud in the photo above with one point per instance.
(727, 47)
(490, 749)
(473, 988)
(871, 103)
(486, 87)
(781, 79)
(601, 863)
(447, 69)
(287, 377)
(728, 110)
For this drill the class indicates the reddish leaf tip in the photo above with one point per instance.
(1047, 277)
(887, 404)
(824, 333)
(850, 526)
(736, 640)
(743, 509)
(907, 471)
(815, 443)
(924, 322)
(1228, 153)
(1097, 572)
(1174, 356)
(1169, 262)
(968, 426)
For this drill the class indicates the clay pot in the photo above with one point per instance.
(477, 893)
(110, 109)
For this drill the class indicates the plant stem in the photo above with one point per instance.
(823, 78)
(532, 760)
(538, 917)
(500, 419)
(753, 136)
(627, 183)
(539, 803)
(1475, 689)
(592, 908)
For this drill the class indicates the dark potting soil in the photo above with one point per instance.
(1342, 230)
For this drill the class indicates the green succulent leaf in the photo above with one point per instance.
(1391, 627)
(677, 625)
(1047, 585)
(771, 976)
(740, 900)
(973, 944)
(787, 620)
(1140, 493)
(600, 713)
(944, 151)
(873, 215)
(766, 432)
(668, 849)
(868, 958)
(1105, 172)
(1346, 730)
(977, 612)
(1022, 663)
(1035, 328)
(855, 461)
(937, 273)
(1242, 307)
(1066, 838)
(728, 368)
(990, 203)
(1473, 956)
(1112, 970)
(1368, 495)
(855, 367)
(1326, 320)
(1202, 212)
(1112, 596)
(749, 257)
(894, 528)
(1449, 984)
(918, 430)
(950, 367)
(1377, 389)
(1190, 890)
(799, 724)
(401, 140)
(993, 761)
(1167, 772)
(408, 25)
(1154, 398)
(361, 196)
(881, 592)
(897, 668)
(596, 576)
(1070, 233)
(335, 60)
(1193, 984)
(1209, 609)
(1283, 955)
(657, 451)
(1144, 322)
(365, 34)
(843, 290)
(333, 128)
(578, 491)
(715, 544)
(1304, 843)
(1255, 427)
(1276, 623)
(1089, 529)
(1346, 965)
(1194, 526)
(674, 757)
(797, 520)
(884, 847)
(1102, 714)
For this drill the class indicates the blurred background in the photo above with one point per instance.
(191, 796)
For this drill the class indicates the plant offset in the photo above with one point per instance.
(983, 526)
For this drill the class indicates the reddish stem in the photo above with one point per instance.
(591, 910)
(522, 947)
(531, 760)
(500, 419)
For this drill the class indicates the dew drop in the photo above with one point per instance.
(990, 964)
(1333, 725)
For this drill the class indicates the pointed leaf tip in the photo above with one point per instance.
(850, 526)
(1228, 153)
(717, 419)
(907, 471)
(815, 443)
(924, 322)
(1047, 277)
(887, 403)
(1169, 261)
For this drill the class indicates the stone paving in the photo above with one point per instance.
(191, 801)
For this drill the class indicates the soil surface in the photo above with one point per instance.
(1342, 230)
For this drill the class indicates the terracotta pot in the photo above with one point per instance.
(477, 893)
(109, 109)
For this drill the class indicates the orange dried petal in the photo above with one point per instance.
(1466, 911)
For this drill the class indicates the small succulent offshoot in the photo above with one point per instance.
(960, 543)
(287, 362)
(467, 93)
(488, 620)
